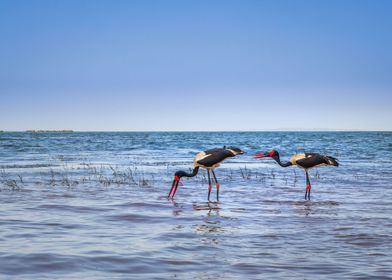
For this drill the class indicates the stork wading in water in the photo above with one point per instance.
(305, 161)
(209, 160)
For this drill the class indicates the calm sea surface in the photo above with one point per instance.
(94, 206)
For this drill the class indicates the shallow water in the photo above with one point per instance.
(93, 205)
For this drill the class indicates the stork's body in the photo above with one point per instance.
(209, 160)
(305, 161)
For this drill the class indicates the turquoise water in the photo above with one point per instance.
(94, 205)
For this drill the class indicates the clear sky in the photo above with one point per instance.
(196, 65)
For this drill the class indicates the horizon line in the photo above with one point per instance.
(272, 130)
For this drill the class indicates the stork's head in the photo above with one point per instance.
(274, 154)
(235, 151)
(179, 174)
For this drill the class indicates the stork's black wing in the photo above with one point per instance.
(314, 159)
(214, 151)
(328, 159)
(214, 156)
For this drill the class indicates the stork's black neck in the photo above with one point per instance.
(283, 164)
(186, 174)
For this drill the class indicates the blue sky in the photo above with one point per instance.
(196, 65)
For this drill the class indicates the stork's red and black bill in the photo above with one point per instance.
(174, 187)
(266, 154)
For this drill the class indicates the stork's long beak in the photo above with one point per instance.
(259, 155)
(174, 186)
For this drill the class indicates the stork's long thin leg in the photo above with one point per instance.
(209, 184)
(308, 186)
(217, 185)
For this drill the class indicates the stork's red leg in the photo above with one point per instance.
(308, 187)
(209, 184)
(217, 185)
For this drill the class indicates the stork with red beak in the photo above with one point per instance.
(305, 161)
(209, 160)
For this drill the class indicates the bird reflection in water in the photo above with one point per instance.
(211, 220)
(177, 208)
(317, 207)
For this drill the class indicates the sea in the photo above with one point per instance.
(94, 205)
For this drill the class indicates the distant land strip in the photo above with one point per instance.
(41, 130)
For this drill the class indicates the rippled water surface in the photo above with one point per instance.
(94, 205)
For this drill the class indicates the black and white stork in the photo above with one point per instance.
(305, 161)
(209, 160)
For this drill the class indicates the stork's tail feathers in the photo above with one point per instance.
(332, 161)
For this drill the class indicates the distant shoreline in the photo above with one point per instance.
(41, 130)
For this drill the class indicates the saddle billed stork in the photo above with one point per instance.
(306, 161)
(209, 160)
